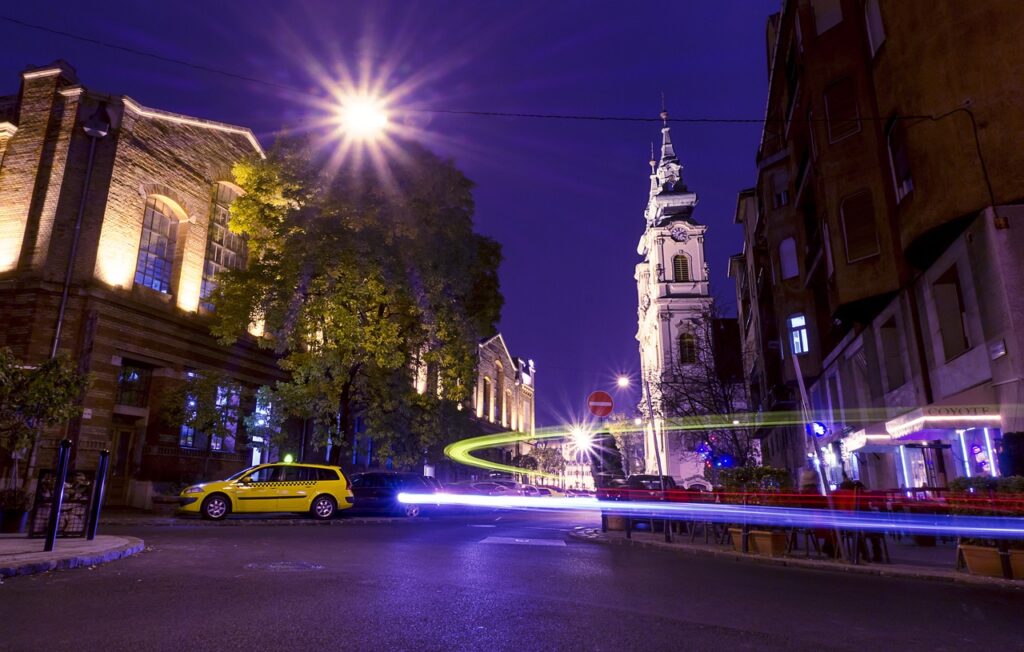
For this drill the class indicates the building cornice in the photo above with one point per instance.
(157, 114)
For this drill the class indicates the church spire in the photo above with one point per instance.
(668, 152)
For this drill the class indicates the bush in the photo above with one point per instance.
(987, 496)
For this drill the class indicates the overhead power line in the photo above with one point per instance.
(488, 114)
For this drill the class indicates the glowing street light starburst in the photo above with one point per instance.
(363, 117)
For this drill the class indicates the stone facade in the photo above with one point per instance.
(881, 161)
(674, 301)
(54, 135)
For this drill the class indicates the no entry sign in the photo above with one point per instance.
(600, 403)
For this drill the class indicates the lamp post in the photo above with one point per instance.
(654, 437)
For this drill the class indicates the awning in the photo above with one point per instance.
(973, 408)
(869, 438)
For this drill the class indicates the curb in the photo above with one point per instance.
(131, 547)
(590, 535)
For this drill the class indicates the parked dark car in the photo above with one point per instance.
(377, 491)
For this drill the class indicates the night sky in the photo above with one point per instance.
(565, 198)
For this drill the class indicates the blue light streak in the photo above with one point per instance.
(996, 527)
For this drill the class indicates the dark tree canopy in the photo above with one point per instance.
(369, 288)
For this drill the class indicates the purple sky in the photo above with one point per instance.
(565, 199)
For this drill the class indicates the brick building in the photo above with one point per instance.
(878, 283)
(137, 199)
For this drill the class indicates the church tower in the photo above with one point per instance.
(674, 301)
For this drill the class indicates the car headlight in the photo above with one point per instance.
(193, 490)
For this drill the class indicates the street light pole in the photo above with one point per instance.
(654, 439)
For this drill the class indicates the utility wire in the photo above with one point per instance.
(488, 114)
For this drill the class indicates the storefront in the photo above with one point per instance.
(938, 443)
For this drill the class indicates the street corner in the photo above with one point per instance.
(23, 556)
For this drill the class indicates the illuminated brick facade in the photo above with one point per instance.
(51, 133)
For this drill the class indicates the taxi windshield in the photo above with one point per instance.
(240, 473)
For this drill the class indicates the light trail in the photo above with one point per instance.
(997, 527)
(462, 450)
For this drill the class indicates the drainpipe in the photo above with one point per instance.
(95, 128)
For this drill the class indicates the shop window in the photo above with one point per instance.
(687, 349)
(827, 14)
(681, 268)
(156, 248)
(133, 384)
(788, 266)
(797, 327)
(859, 233)
(873, 22)
(950, 313)
(224, 250)
(892, 356)
(841, 110)
(899, 161)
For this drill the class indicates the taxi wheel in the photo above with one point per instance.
(412, 511)
(323, 507)
(215, 507)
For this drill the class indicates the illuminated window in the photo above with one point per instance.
(156, 249)
(681, 268)
(859, 232)
(841, 109)
(224, 250)
(187, 435)
(227, 401)
(797, 325)
(687, 349)
(486, 402)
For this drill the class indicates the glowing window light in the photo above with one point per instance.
(991, 457)
(903, 464)
(963, 449)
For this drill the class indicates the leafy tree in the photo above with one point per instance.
(550, 460)
(33, 399)
(359, 282)
(211, 404)
(526, 461)
(629, 438)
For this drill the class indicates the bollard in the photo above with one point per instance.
(99, 486)
(61, 476)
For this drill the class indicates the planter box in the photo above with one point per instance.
(982, 560)
(616, 523)
(1017, 564)
(736, 534)
(768, 544)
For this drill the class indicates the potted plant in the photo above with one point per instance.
(768, 543)
(987, 496)
(14, 506)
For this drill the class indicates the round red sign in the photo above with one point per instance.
(600, 403)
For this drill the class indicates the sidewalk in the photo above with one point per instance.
(909, 561)
(20, 555)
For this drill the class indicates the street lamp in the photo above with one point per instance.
(582, 438)
(622, 381)
(363, 117)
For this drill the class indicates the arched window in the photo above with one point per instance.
(485, 403)
(224, 249)
(681, 268)
(787, 259)
(499, 394)
(687, 348)
(156, 248)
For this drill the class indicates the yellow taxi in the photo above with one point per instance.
(281, 487)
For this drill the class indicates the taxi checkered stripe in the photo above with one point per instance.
(288, 483)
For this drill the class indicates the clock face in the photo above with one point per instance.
(645, 302)
(679, 234)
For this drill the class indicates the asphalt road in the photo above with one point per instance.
(511, 581)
